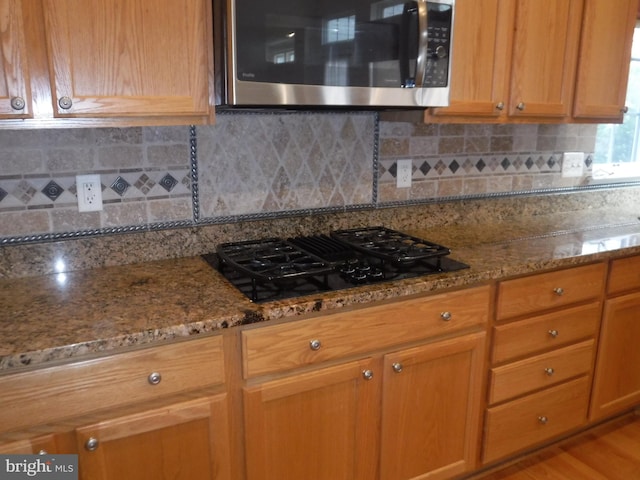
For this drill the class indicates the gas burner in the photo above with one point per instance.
(275, 269)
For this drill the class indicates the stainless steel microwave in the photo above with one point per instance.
(333, 53)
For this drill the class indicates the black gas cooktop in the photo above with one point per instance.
(275, 268)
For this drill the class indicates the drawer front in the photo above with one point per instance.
(539, 292)
(530, 374)
(535, 418)
(71, 390)
(624, 275)
(517, 339)
(305, 342)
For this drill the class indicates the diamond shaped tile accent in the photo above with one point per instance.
(144, 183)
(168, 182)
(454, 166)
(3, 194)
(52, 190)
(24, 191)
(506, 163)
(425, 168)
(480, 165)
(120, 186)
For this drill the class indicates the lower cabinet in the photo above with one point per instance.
(617, 375)
(431, 409)
(417, 410)
(183, 441)
(319, 425)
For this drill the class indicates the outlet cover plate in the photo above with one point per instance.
(404, 173)
(89, 191)
(573, 164)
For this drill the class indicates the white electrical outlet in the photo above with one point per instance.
(572, 164)
(89, 193)
(404, 172)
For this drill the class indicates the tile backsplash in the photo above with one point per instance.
(256, 164)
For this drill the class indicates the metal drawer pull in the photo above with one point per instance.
(18, 103)
(397, 367)
(521, 106)
(43, 452)
(549, 371)
(65, 103)
(315, 344)
(559, 291)
(500, 106)
(446, 316)
(554, 333)
(154, 378)
(91, 444)
(543, 420)
(367, 374)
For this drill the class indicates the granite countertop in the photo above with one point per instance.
(74, 315)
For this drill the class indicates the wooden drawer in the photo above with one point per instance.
(624, 275)
(530, 374)
(517, 339)
(50, 394)
(539, 292)
(529, 420)
(288, 346)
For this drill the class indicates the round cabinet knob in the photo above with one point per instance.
(397, 367)
(65, 103)
(446, 316)
(43, 452)
(91, 444)
(553, 333)
(543, 420)
(17, 103)
(549, 371)
(315, 344)
(559, 291)
(500, 106)
(624, 109)
(154, 378)
(521, 106)
(367, 374)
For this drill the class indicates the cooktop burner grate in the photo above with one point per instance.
(275, 269)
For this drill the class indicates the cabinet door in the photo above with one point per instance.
(15, 92)
(480, 60)
(617, 375)
(605, 53)
(431, 409)
(545, 49)
(319, 425)
(128, 57)
(185, 441)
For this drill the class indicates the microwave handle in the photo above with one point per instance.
(419, 9)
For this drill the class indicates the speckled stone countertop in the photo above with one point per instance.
(71, 315)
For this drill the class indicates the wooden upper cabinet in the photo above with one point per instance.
(479, 62)
(513, 61)
(544, 57)
(15, 91)
(605, 54)
(128, 57)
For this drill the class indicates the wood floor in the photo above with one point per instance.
(608, 452)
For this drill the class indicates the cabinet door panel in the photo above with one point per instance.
(14, 74)
(617, 374)
(605, 53)
(431, 409)
(319, 425)
(479, 68)
(545, 49)
(186, 441)
(128, 58)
